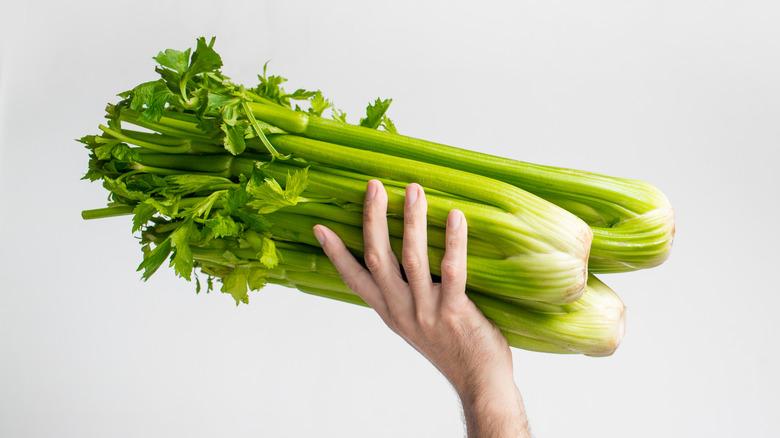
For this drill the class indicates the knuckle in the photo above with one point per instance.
(412, 262)
(451, 269)
(373, 260)
(453, 322)
(426, 321)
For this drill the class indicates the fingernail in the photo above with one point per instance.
(411, 194)
(320, 237)
(453, 221)
(370, 191)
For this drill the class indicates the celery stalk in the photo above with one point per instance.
(632, 221)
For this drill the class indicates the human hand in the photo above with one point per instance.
(437, 319)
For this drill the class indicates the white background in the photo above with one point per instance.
(684, 94)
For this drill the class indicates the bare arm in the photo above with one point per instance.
(437, 319)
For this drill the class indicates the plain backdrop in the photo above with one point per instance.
(684, 94)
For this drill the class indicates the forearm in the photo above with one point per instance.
(495, 414)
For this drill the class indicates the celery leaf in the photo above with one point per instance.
(319, 104)
(182, 261)
(205, 59)
(269, 196)
(142, 213)
(257, 279)
(375, 112)
(223, 226)
(155, 258)
(174, 60)
(236, 284)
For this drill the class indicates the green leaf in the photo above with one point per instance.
(174, 59)
(180, 240)
(223, 226)
(319, 104)
(300, 94)
(236, 284)
(216, 101)
(269, 196)
(203, 208)
(296, 184)
(255, 221)
(123, 152)
(147, 182)
(231, 258)
(234, 137)
(253, 239)
(269, 257)
(120, 188)
(257, 279)
(236, 198)
(210, 126)
(89, 140)
(205, 59)
(94, 170)
(191, 183)
(230, 113)
(155, 258)
(375, 112)
(339, 116)
(170, 77)
(142, 213)
(150, 98)
(168, 206)
(271, 89)
(389, 125)
(106, 148)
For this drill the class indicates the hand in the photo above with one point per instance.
(437, 319)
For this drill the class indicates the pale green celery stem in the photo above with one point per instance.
(635, 195)
(182, 147)
(605, 202)
(436, 234)
(99, 213)
(560, 229)
(387, 182)
(171, 123)
(538, 277)
(167, 140)
(486, 222)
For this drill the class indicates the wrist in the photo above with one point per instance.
(494, 412)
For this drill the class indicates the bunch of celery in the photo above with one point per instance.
(231, 180)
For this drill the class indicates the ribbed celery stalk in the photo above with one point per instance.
(632, 221)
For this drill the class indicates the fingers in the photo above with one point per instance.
(453, 265)
(354, 275)
(414, 255)
(378, 255)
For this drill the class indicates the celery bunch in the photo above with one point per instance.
(231, 180)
